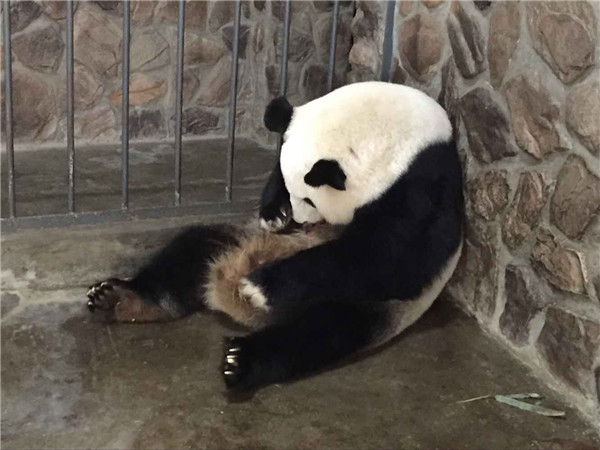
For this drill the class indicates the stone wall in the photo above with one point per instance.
(39, 66)
(521, 81)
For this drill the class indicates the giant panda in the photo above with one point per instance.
(369, 179)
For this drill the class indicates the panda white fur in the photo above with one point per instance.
(373, 174)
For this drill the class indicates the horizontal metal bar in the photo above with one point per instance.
(10, 148)
(225, 209)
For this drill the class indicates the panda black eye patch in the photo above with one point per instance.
(309, 201)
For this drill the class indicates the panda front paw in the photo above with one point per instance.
(275, 217)
(253, 294)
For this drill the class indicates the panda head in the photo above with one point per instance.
(307, 178)
(345, 149)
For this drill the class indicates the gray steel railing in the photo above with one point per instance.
(72, 216)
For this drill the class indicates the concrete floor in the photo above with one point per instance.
(70, 381)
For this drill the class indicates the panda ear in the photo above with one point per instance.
(278, 115)
(326, 172)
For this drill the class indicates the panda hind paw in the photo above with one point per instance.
(104, 295)
(237, 365)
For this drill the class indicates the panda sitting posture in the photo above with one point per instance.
(372, 173)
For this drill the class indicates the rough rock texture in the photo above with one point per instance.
(534, 115)
(467, 40)
(420, 43)
(88, 88)
(583, 113)
(487, 127)
(525, 209)
(214, 88)
(576, 197)
(569, 344)
(38, 45)
(142, 89)
(535, 85)
(301, 45)
(201, 49)
(97, 41)
(22, 13)
(489, 193)
(149, 51)
(482, 4)
(523, 301)
(221, 12)
(399, 76)
(432, 3)
(146, 123)
(565, 34)
(322, 37)
(448, 97)
(96, 123)
(57, 9)
(314, 82)
(474, 279)
(503, 37)
(34, 106)
(198, 121)
(195, 12)
(190, 85)
(561, 266)
(405, 7)
(243, 42)
(142, 11)
(364, 54)
(39, 48)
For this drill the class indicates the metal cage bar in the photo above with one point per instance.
(283, 86)
(332, 44)
(125, 213)
(70, 108)
(125, 109)
(233, 100)
(388, 41)
(179, 99)
(10, 150)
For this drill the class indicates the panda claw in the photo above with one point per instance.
(103, 295)
(237, 365)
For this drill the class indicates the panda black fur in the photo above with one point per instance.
(377, 160)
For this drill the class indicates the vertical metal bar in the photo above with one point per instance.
(179, 100)
(388, 41)
(284, 59)
(9, 110)
(125, 110)
(233, 99)
(334, 24)
(70, 108)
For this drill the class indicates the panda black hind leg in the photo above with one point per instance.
(315, 337)
(171, 284)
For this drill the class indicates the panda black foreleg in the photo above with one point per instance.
(275, 207)
(171, 284)
(317, 336)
